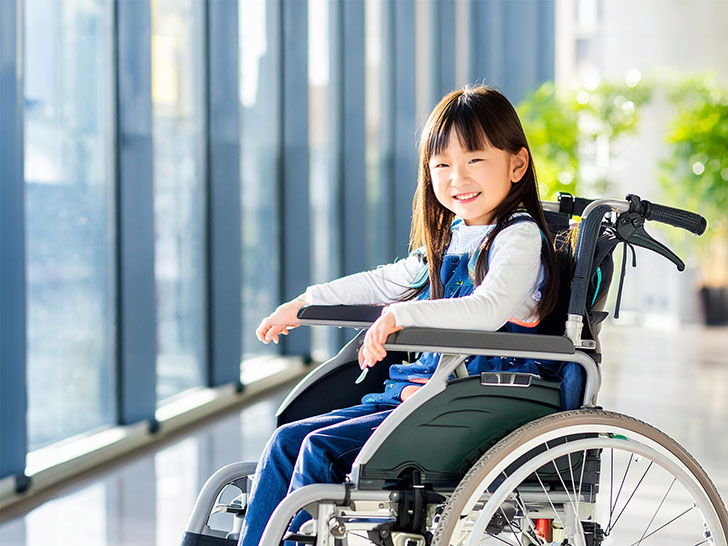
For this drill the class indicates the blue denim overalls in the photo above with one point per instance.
(456, 274)
(321, 449)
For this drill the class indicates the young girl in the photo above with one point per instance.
(485, 261)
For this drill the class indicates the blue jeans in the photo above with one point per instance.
(319, 449)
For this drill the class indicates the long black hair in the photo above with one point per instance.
(480, 116)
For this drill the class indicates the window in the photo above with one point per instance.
(259, 167)
(69, 217)
(179, 193)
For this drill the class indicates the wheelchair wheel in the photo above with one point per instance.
(584, 478)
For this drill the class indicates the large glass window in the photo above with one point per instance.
(69, 217)
(179, 193)
(260, 144)
(323, 193)
(378, 200)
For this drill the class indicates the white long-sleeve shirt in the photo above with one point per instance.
(509, 292)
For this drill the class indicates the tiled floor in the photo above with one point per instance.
(675, 380)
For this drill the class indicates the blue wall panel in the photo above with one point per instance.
(13, 387)
(137, 319)
(224, 245)
(295, 233)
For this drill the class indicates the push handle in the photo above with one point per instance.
(694, 223)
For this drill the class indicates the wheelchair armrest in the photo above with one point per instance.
(474, 342)
(350, 316)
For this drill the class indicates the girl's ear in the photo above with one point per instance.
(519, 164)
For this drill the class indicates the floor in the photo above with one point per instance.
(675, 380)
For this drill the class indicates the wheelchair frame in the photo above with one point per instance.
(486, 487)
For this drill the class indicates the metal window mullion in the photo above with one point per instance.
(546, 44)
(336, 145)
(13, 361)
(519, 51)
(295, 245)
(136, 358)
(405, 123)
(443, 28)
(353, 182)
(383, 228)
(487, 38)
(224, 245)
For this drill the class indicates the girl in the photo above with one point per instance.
(485, 262)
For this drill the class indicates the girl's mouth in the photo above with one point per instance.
(466, 197)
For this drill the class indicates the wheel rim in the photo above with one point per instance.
(645, 493)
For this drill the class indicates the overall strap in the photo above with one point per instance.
(517, 218)
(423, 277)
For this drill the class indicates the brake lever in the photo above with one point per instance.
(630, 228)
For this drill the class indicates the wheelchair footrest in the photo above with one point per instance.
(194, 539)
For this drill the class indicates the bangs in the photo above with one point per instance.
(461, 115)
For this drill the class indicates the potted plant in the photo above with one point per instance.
(695, 175)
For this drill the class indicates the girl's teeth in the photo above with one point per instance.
(467, 196)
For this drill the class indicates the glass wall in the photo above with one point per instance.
(324, 199)
(259, 166)
(179, 193)
(69, 217)
(379, 226)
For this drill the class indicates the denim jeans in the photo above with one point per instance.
(319, 449)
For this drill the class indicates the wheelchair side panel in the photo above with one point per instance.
(337, 389)
(444, 437)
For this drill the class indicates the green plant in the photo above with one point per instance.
(564, 128)
(551, 127)
(695, 174)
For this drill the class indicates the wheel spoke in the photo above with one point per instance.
(548, 497)
(636, 487)
(532, 533)
(657, 511)
(510, 524)
(581, 475)
(619, 492)
(611, 483)
(665, 525)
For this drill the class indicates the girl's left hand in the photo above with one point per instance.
(372, 350)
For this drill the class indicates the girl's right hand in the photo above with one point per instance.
(284, 318)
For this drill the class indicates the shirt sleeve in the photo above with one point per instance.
(384, 285)
(515, 262)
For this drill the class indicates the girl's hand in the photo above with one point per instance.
(284, 318)
(372, 351)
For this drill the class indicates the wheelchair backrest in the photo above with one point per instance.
(565, 237)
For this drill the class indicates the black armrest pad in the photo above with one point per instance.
(474, 342)
(353, 316)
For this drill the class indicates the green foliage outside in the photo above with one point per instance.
(564, 126)
(572, 132)
(695, 174)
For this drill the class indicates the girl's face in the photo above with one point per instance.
(472, 184)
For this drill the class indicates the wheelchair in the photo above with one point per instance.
(493, 458)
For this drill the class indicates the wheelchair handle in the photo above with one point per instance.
(689, 221)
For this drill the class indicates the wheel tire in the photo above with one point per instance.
(603, 431)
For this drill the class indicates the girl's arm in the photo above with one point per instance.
(385, 284)
(506, 291)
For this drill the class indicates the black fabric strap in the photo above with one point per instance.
(622, 274)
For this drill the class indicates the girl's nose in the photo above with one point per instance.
(458, 176)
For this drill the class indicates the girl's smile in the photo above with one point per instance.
(472, 183)
(466, 197)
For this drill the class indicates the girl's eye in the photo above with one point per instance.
(476, 160)
(439, 165)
